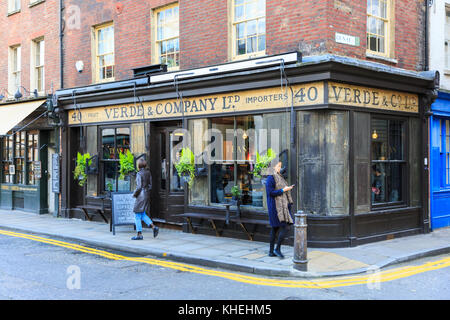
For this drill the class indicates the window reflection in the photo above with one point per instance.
(114, 142)
(388, 163)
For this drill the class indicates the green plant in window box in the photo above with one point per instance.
(80, 169)
(263, 162)
(126, 164)
(186, 166)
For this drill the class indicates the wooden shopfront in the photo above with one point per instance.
(26, 141)
(350, 137)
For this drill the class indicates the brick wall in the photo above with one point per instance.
(308, 26)
(21, 28)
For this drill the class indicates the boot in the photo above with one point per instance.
(278, 253)
(271, 254)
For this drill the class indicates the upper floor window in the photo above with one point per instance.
(13, 6)
(37, 65)
(104, 53)
(15, 62)
(248, 28)
(167, 37)
(447, 37)
(378, 27)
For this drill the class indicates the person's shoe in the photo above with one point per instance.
(278, 253)
(271, 254)
(138, 238)
(155, 231)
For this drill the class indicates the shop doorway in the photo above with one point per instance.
(167, 188)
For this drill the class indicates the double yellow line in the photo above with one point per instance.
(368, 278)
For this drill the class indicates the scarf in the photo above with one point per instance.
(282, 202)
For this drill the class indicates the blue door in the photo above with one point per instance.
(440, 164)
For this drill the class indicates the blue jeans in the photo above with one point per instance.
(141, 216)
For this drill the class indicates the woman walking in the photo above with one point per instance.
(279, 203)
(142, 202)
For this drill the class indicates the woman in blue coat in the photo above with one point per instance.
(279, 204)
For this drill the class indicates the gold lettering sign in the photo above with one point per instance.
(17, 188)
(357, 96)
(240, 101)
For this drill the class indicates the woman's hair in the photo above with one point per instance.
(141, 163)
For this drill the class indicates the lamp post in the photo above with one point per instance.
(300, 242)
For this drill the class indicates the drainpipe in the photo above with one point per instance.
(61, 35)
(427, 3)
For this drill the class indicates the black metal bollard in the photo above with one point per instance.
(300, 242)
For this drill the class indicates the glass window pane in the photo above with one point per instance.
(375, 8)
(261, 43)
(123, 140)
(396, 140)
(251, 27)
(251, 44)
(240, 30)
(110, 176)
(378, 182)
(108, 144)
(251, 10)
(394, 182)
(379, 136)
(261, 26)
(176, 184)
(238, 12)
(241, 46)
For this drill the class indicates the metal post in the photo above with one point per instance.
(300, 242)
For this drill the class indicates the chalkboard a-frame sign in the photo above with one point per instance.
(122, 209)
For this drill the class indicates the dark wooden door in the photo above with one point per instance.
(167, 188)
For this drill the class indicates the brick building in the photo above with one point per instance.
(349, 111)
(30, 65)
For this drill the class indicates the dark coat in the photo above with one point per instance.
(142, 192)
(271, 206)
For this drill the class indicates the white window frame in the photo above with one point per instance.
(14, 69)
(34, 72)
(389, 30)
(156, 44)
(14, 6)
(96, 57)
(233, 25)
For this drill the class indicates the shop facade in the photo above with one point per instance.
(27, 142)
(349, 135)
(440, 161)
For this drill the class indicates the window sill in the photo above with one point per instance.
(35, 3)
(13, 12)
(447, 71)
(374, 56)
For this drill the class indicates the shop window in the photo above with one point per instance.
(114, 142)
(104, 53)
(230, 149)
(32, 155)
(167, 37)
(379, 24)
(19, 157)
(248, 28)
(444, 151)
(388, 165)
(7, 159)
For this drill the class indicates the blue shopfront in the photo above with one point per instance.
(440, 162)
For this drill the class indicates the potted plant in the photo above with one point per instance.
(263, 162)
(109, 188)
(126, 163)
(236, 194)
(80, 169)
(186, 166)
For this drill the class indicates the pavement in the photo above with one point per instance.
(228, 253)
